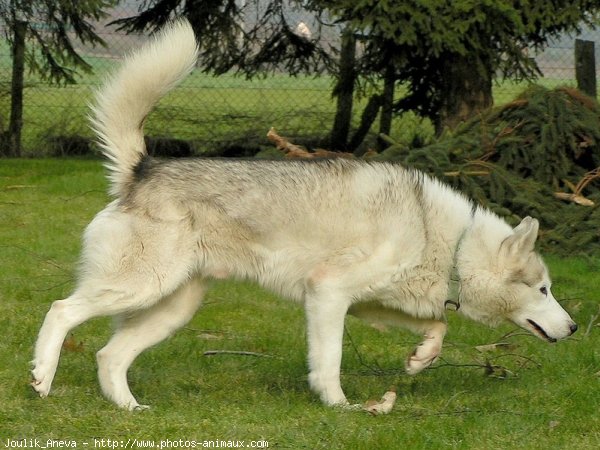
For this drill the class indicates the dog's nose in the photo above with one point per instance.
(573, 327)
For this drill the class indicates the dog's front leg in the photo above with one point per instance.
(428, 350)
(433, 330)
(325, 313)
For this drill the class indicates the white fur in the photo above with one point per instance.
(372, 239)
(130, 94)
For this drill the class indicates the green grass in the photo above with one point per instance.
(546, 400)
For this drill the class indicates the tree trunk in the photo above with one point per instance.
(13, 142)
(466, 92)
(344, 91)
(385, 120)
(366, 120)
(585, 67)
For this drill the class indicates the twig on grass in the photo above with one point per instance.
(523, 358)
(490, 367)
(202, 331)
(236, 352)
(82, 194)
(591, 323)
(18, 186)
(53, 286)
(514, 333)
(39, 256)
(376, 370)
(444, 363)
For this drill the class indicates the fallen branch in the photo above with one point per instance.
(289, 149)
(492, 347)
(18, 186)
(236, 352)
(295, 151)
(371, 369)
(490, 367)
(593, 319)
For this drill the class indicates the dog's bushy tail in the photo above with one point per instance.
(129, 95)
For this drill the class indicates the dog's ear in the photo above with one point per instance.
(523, 237)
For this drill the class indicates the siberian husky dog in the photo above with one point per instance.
(376, 240)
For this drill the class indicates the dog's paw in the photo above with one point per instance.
(328, 388)
(423, 356)
(335, 401)
(140, 408)
(415, 365)
(40, 383)
(130, 405)
(41, 388)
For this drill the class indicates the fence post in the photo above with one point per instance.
(585, 67)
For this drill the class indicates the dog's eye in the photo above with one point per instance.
(544, 290)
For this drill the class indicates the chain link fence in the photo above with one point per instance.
(214, 112)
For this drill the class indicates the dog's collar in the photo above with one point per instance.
(453, 301)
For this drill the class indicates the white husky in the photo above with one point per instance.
(372, 239)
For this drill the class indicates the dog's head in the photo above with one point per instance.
(507, 279)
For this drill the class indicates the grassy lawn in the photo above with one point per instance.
(528, 394)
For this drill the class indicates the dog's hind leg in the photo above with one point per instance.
(63, 316)
(139, 331)
(325, 313)
(126, 267)
(93, 299)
